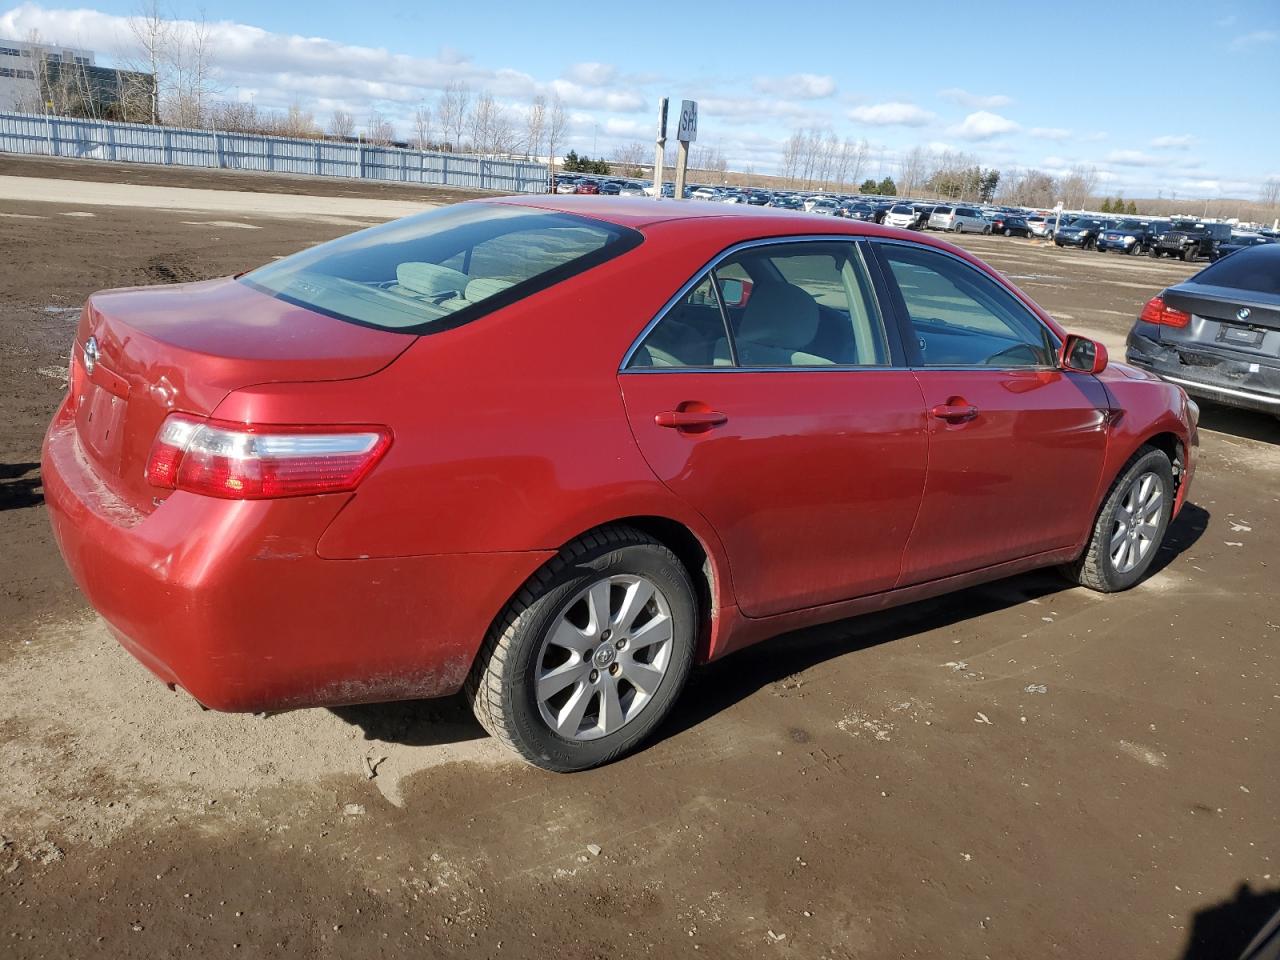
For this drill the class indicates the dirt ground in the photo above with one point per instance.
(1020, 770)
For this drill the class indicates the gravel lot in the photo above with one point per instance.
(1020, 770)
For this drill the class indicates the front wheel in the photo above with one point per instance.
(590, 655)
(986, 231)
(1130, 526)
(1189, 255)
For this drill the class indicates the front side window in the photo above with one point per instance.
(438, 269)
(961, 317)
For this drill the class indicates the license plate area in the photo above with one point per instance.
(1240, 336)
(100, 425)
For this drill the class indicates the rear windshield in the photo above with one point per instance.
(902, 208)
(442, 268)
(1254, 268)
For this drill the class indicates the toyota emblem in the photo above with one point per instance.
(1242, 313)
(90, 354)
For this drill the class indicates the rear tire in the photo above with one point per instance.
(986, 231)
(551, 633)
(1130, 527)
(1008, 232)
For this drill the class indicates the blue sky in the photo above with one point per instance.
(1016, 84)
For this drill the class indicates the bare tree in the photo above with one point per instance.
(1078, 186)
(1269, 193)
(154, 34)
(452, 109)
(298, 122)
(240, 116)
(422, 127)
(629, 157)
(377, 129)
(556, 124)
(190, 70)
(915, 169)
(535, 123)
(341, 125)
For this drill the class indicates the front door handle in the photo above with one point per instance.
(955, 410)
(690, 419)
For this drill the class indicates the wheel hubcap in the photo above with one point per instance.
(1137, 520)
(604, 657)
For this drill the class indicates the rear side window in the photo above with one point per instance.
(439, 269)
(783, 305)
(690, 334)
(1254, 268)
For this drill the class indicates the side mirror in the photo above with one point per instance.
(1082, 355)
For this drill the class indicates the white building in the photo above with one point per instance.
(19, 62)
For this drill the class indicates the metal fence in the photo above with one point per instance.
(175, 146)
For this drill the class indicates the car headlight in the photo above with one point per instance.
(1129, 240)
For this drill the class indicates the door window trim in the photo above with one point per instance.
(902, 317)
(871, 266)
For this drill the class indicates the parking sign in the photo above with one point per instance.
(688, 121)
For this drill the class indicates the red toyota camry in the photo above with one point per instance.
(556, 451)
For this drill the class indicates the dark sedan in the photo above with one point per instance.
(1010, 225)
(1083, 233)
(1217, 334)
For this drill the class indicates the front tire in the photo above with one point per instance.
(589, 657)
(1130, 526)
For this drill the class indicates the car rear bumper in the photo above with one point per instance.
(229, 600)
(1235, 381)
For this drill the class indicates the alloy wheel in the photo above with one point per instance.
(1137, 521)
(604, 657)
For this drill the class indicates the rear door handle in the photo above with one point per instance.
(690, 419)
(955, 411)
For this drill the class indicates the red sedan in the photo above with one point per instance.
(556, 451)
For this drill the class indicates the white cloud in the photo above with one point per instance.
(975, 100)
(1050, 133)
(1255, 38)
(1095, 136)
(592, 74)
(1133, 158)
(893, 114)
(1181, 141)
(983, 125)
(802, 86)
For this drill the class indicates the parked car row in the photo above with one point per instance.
(1182, 238)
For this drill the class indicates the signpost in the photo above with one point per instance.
(686, 134)
(661, 155)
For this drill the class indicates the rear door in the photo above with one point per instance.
(769, 396)
(1016, 444)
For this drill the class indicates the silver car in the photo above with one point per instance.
(959, 220)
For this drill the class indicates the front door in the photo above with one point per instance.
(1016, 445)
(764, 397)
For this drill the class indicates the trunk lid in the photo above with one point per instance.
(184, 348)
(1225, 322)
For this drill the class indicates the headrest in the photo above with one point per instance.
(430, 279)
(780, 315)
(485, 287)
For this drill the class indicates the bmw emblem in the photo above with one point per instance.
(90, 354)
(1242, 313)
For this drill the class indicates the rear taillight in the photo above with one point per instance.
(1156, 311)
(238, 461)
